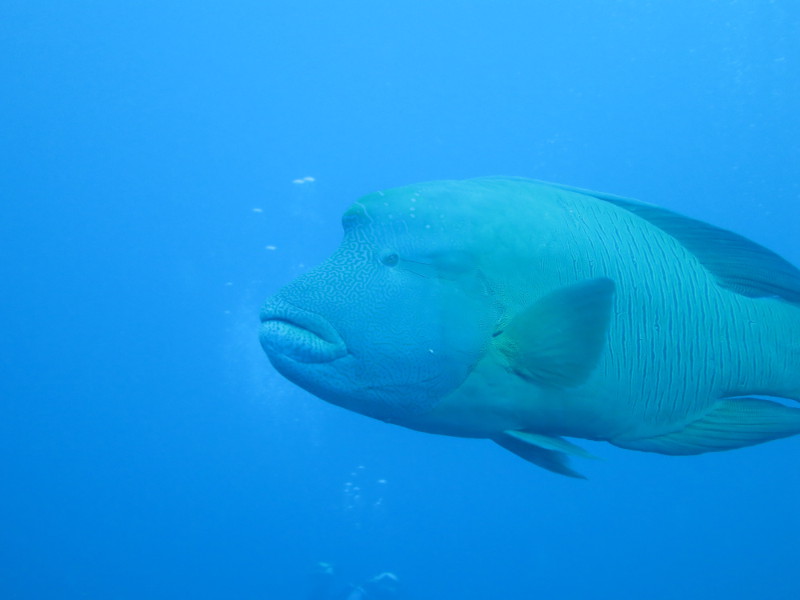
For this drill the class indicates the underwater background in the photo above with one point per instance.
(165, 166)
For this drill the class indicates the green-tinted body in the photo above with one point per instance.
(476, 297)
(677, 341)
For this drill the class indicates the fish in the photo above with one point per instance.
(533, 314)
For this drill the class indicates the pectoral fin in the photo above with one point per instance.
(558, 340)
(731, 423)
(550, 453)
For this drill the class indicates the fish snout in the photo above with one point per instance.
(298, 334)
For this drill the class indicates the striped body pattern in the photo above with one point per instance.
(526, 313)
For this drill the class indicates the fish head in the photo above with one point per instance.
(395, 319)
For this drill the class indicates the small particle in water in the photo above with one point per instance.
(258, 210)
(270, 247)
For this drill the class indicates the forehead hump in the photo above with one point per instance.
(426, 207)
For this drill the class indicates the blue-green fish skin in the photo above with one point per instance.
(521, 312)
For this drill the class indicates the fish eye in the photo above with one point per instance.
(390, 259)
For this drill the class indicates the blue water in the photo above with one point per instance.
(148, 205)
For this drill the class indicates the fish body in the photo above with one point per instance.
(525, 312)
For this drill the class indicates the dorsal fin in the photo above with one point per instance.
(738, 264)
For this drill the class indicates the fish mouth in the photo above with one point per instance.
(303, 336)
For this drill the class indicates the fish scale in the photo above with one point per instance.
(660, 396)
(524, 312)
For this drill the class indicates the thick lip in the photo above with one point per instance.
(304, 336)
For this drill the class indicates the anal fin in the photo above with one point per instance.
(731, 423)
